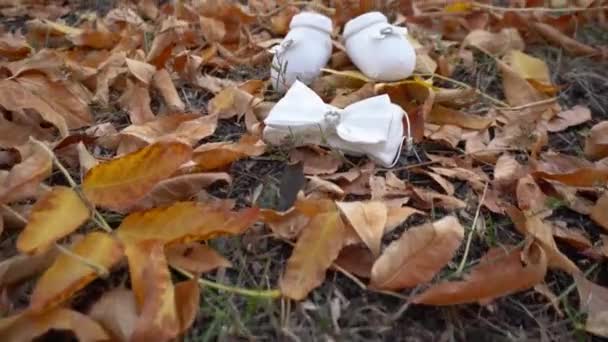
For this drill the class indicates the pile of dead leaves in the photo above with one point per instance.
(102, 101)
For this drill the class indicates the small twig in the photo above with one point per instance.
(470, 237)
(350, 276)
(238, 290)
(537, 9)
(464, 85)
(533, 104)
(14, 213)
(97, 217)
(99, 269)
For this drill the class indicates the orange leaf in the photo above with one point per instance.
(356, 259)
(117, 313)
(569, 44)
(187, 297)
(136, 101)
(499, 273)
(232, 102)
(196, 258)
(54, 216)
(123, 181)
(141, 70)
(24, 178)
(368, 219)
(286, 225)
(27, 326)
(316, 249)
(68, 274)
(162, 81)
(446, 116)
(158, 320)
(14, 46)
(215, 156)
(418, 255)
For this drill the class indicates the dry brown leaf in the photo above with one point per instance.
(20, 267)
(497, 43)
(141, 70)
(317, 248)
(24, 178)
(116, 311)
(507, 170)
(570, 170)
(447, 116)
(599, 212)
(499, 273)
(596, 143)
(316, 162)
(368, 219)
(568, 118)
(427, 199)
(189, 128)
(571, 45)
(196, 258)
(593, 302)
(286, 225)
(356, 259)
(158, 319)
(418, 255)
(124, 181)
(136, 101)
(187, 302)
(530, 197)
(85, 159)
(162, 81)
(54, 216)
(318, 187)
(574, 237)
(13, 46)
(397, 215)
(518, 91)
(180, 188)
(232, 102)
(68, 274)
(27, 326)
(443, 183)
(214, 156)
(477, 180)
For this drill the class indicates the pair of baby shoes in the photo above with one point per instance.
(378, 49)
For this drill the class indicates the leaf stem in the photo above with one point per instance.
(470, 237)
(227, 288)
(100, 270)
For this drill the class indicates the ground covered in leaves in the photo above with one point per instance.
(140, 202)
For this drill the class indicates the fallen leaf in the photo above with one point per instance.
(13, 46)
(317, 248)
(427, 199)
(530, 197)
(507, 170)
(158, 319)
(570, 170)
(568, 118)
(397, 215)
(356, 259)
(162, 81)
(368, 219)
(196, 258)
(123, 181)
(21, 267)
(596, 142)
(518, 91)
(187, 302)
(447, 116)
(136, 101)
(232, 102)
(188, 127)
(599, 212)
(180, 188)
(498, 43)
(318, 187)
(571, 45)
(24, 178)
(574, 237)
(214, 156)
(68, 274)
(316, 162)
(499, 273)
(27, 326)
(141, 70)
(116, 311)
(54, 216)
(418, 255)
(593, 302)
(287, 225)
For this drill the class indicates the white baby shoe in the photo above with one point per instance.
(371, 127)
(303, 52)
(380, 50)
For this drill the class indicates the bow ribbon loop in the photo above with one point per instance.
(372, 126)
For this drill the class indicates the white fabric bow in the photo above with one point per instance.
(371, 127)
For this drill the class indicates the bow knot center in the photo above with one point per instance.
(332, 118)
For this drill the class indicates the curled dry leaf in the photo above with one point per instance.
(136, 101)
(418, 255)
(27, 326)
(140, 70)
(214, 156)
(356, 259)
(426, 199)
(158, 319)
(180, 188)
(162, 81)
(196, 258)
(24, 178)
(593, 302)
(368, 219)
(318, 187)
(123, 181)
(316, 162)
(286, 225)
(499, 273)
(54, 216)
(596, 143)
(495, 43)
(316, 249)
(570, 170)
(398, 215)
(69, 274)
(13, 46)
(568, 118)
(530, 197)
(116, 311)
(188, 127)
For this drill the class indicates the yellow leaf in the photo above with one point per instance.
(418, 255)
(196, 258)
(187, 297)
(68, 274)
(54, 216)
(348, 73)
(500, 272)
(458, 7)
(368, 219)
(27, 326)
(158, 319)
(214, 156)
(315, 251)
(123, 181)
